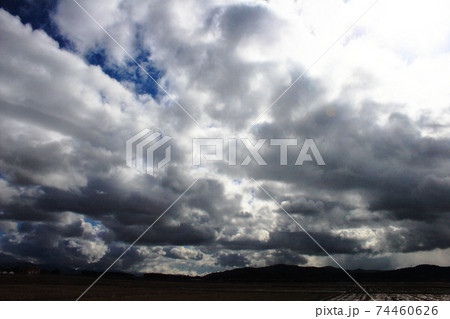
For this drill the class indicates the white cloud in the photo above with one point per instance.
(65, 122)
(93, 250)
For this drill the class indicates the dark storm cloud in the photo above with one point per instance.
(402, 176)
(299, 242)
(182, 253)
(428, 199)
(101, 198)
(270, 257)
(127, 214)
(305, 206)
(419, 236)
(209, 196)
(395, 168)
(182, 234)
(67, 198)
(286, 256)
(53, 243)
(232, 260)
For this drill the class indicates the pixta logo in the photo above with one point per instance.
(141, 149)
(212, 149)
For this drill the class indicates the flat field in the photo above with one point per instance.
(61, 287)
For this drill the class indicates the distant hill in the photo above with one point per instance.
(275, 273)
(164, 277)
(9, 263)
(279, 273)
(289, 273)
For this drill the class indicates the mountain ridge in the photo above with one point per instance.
(292, 273)
(274, 273)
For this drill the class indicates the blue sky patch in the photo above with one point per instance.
(143, 84)
(92, 222)
(38, 15)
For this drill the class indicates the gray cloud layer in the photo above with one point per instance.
(67, 199)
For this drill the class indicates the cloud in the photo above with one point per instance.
(184, 253)
(377, 109)
(232, 260)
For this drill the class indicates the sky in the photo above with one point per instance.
(373, 96)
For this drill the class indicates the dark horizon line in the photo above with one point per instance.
(48, 269)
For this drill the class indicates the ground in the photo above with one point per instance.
(60, 287)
